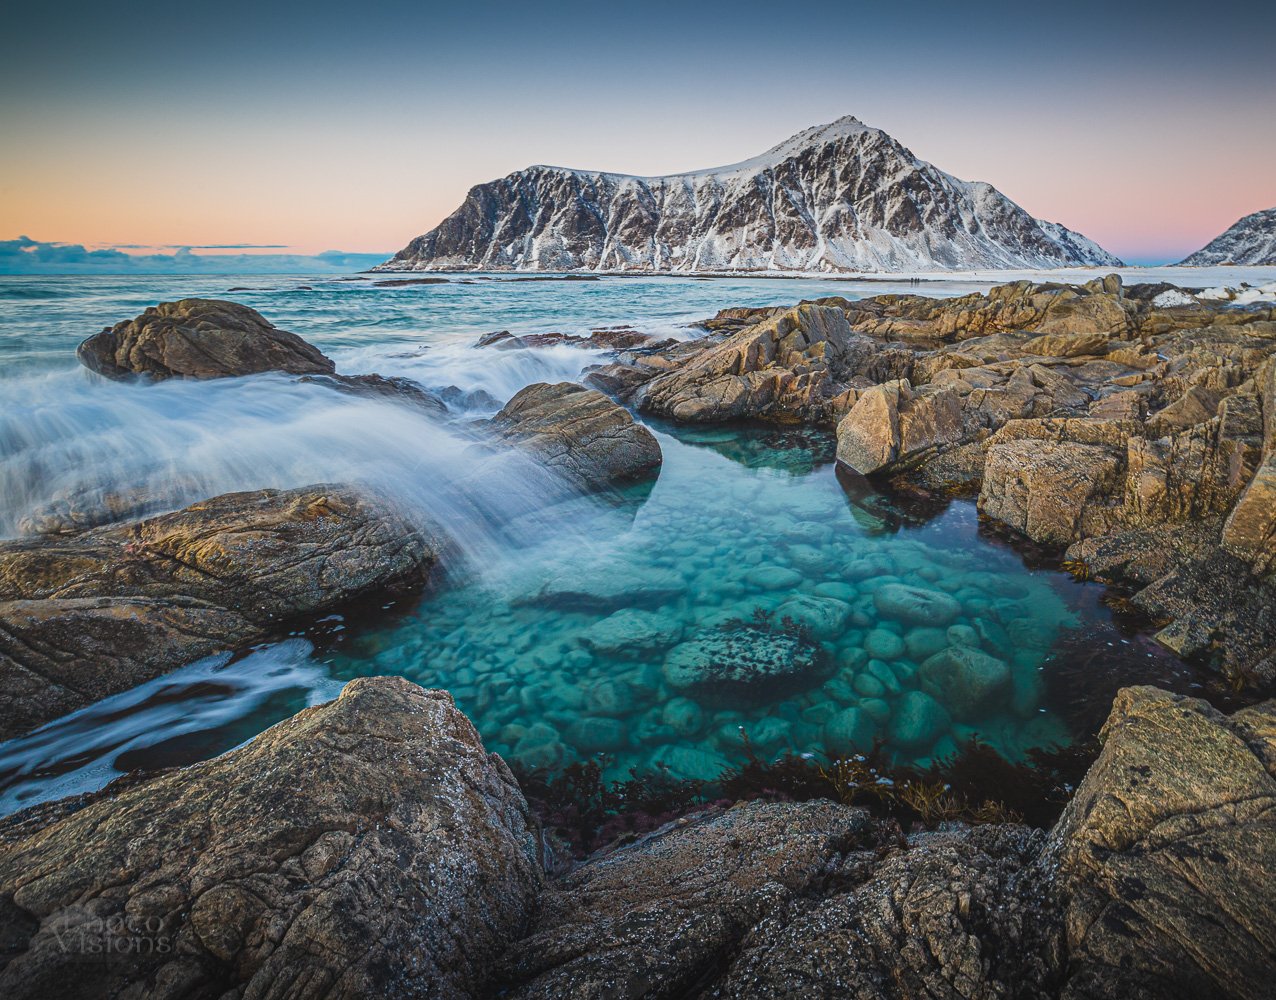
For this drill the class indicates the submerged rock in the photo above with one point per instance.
(918, 721)
(821, 618)
(967, 682)
(368, 847)
(632, 633)
(609, 588)
(99, 612)
(915, 605)
(579, 433)
(743, 664)
(200, 338)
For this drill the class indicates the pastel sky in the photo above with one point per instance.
(319, 126)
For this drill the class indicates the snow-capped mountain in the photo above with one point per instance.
(1252, 240)
(838, 197)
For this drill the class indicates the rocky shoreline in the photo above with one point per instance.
(372, 846)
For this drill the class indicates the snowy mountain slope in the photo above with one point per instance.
(1252, 240)
(837, 197)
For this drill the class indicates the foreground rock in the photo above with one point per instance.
(369, 847)
(1158, 882)
(1165, 860)
(578, 433)
(661, 917)
(211, 338)
(99, 612)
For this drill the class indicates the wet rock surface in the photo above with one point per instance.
(85, 616)
(211, 338)
(368, 847)
(578, 433)
(200, 338)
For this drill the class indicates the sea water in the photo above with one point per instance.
(572, 627)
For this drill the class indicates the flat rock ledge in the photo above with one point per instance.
(370, 847)
(86, 616)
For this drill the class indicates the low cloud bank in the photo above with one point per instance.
(27, 256)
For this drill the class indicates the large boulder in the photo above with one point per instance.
(787, 368)
(579, 433)
(99, 612)
(199, 338)
(367, 847)
(210, 338)
(1164, 861)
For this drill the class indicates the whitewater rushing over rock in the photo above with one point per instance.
(1251, 240)
(837, 197)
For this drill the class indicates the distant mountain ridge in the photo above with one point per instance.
(1251, 240)
(836, 197)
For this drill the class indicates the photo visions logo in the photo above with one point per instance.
(118, 934)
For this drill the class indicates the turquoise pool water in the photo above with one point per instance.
(748, 601)
(746, 596)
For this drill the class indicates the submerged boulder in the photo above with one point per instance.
(916, 605)
(200, 338)
(579, 433)
(99, 612)
(367, 847)
(968, 682)
(632, 633)
(743, 664)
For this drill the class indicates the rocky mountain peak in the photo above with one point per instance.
(843, 196)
